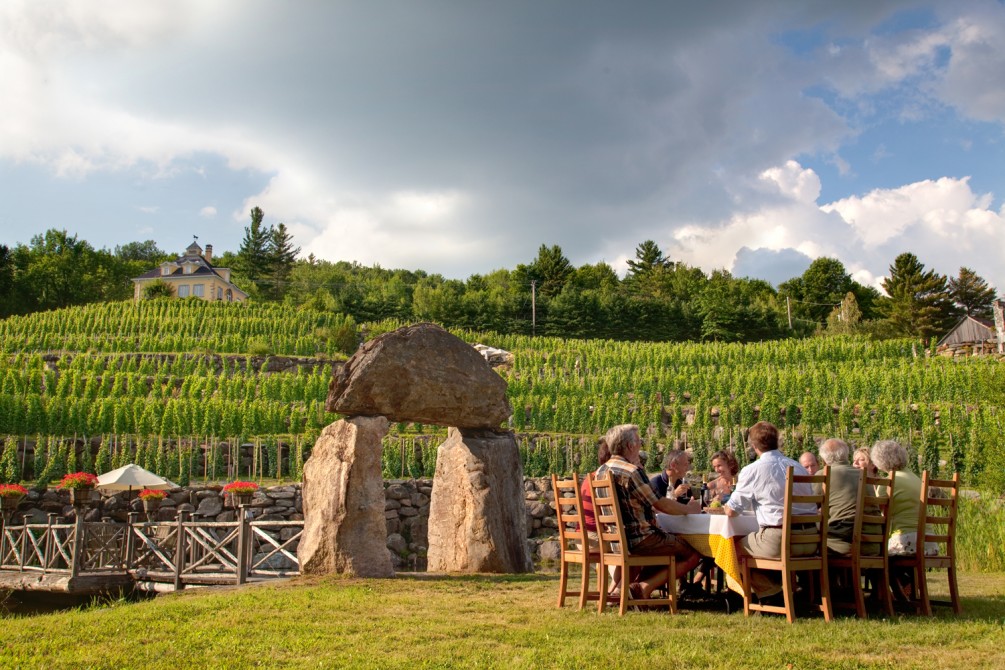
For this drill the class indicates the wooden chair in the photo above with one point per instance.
(788, 564)
(937, 524)
(573, 540)
(873, 494)
(614, 550)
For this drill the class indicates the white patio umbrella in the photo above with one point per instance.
(130, 477)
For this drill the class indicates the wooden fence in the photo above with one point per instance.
(179, 552)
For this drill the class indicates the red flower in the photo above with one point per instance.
(241, 488)
(79, 480)
(151, 494)
(12, 491)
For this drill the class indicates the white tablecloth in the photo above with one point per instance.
(708, 524)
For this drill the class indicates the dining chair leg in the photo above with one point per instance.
(745, 575)
(885, 590)
(856, 584)
(954, 590)
(825, 593)
(563, 583)
(601, 587)
(584, 589)
(926, 605)
(788, 593)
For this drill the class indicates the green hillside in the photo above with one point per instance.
(177, 385)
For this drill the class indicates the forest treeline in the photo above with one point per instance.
(658, 299)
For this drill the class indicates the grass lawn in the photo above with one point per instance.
(430, 621)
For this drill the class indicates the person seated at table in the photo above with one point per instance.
(761, 487)
(639, 504)
(861, 460)
(670, 482)
(890, 456)
(724, 464)
(603, 454)
(843, 501)
(809, 461)
(719, 489)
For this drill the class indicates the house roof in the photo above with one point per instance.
(969, 329)
(193, 255)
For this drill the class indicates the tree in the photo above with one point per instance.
(281, 257)
(157, 289)
(147, 252)
(253, 256)
(648, 257)
(845, 317)
(918, 303)
(971, 294)
(550, 270)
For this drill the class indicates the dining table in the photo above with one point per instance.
(712, 535)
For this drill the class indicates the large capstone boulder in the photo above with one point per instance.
(420, 373)
(477, 515)
(343, 496)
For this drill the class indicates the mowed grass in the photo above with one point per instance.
(430, 621)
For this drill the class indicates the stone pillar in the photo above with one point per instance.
(343, 494)
(477, 514)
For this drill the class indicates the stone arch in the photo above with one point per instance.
(477, 517)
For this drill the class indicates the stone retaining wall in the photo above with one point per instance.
(406, 512)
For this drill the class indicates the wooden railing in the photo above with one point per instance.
(180, 552)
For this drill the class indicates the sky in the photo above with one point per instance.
(458, 137)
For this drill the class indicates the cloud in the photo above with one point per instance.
(944, 222)
(458, 138)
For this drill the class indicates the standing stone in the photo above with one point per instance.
(420, 373)
(477, 516)
(343, 494)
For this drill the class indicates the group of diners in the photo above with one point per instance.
(759, 487)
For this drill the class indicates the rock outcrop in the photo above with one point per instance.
(477, 514)
(343, 501)
(424, 374)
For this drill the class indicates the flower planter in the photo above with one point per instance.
(239, 499)
(150, 507)
(81, 497)
(8, 504)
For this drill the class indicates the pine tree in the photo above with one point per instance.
(918, 303)
(281, 257)
(253, 256)
(971, 294)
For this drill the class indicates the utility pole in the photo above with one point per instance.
(533, 307)
(788, 309)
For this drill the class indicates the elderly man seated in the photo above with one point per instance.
(638, 505)
(843, 500)
(670, 482)
(761, 487)
(809, 461)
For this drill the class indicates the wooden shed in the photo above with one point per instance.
(969, 330)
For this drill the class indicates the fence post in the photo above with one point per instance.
(130, 544)
(47, 542)
(243, 530)
(179, 554)
(78, 543)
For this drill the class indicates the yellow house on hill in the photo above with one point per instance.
(192, 275)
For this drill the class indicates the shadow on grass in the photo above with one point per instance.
(525, 578)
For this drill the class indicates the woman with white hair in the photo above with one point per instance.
(890, 456)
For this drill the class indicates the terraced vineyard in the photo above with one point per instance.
(179, 385)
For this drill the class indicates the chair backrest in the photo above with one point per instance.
(872, 515)
(819, 517)
(607, 510)
(569, 510)
(937, 514)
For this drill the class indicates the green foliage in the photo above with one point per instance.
(918, 303)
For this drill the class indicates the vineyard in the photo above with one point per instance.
(189, 389)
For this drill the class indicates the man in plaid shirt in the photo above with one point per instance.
(638, 511)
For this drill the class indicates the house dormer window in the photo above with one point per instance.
(167, 268)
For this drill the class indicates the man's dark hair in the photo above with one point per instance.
(763, 436)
